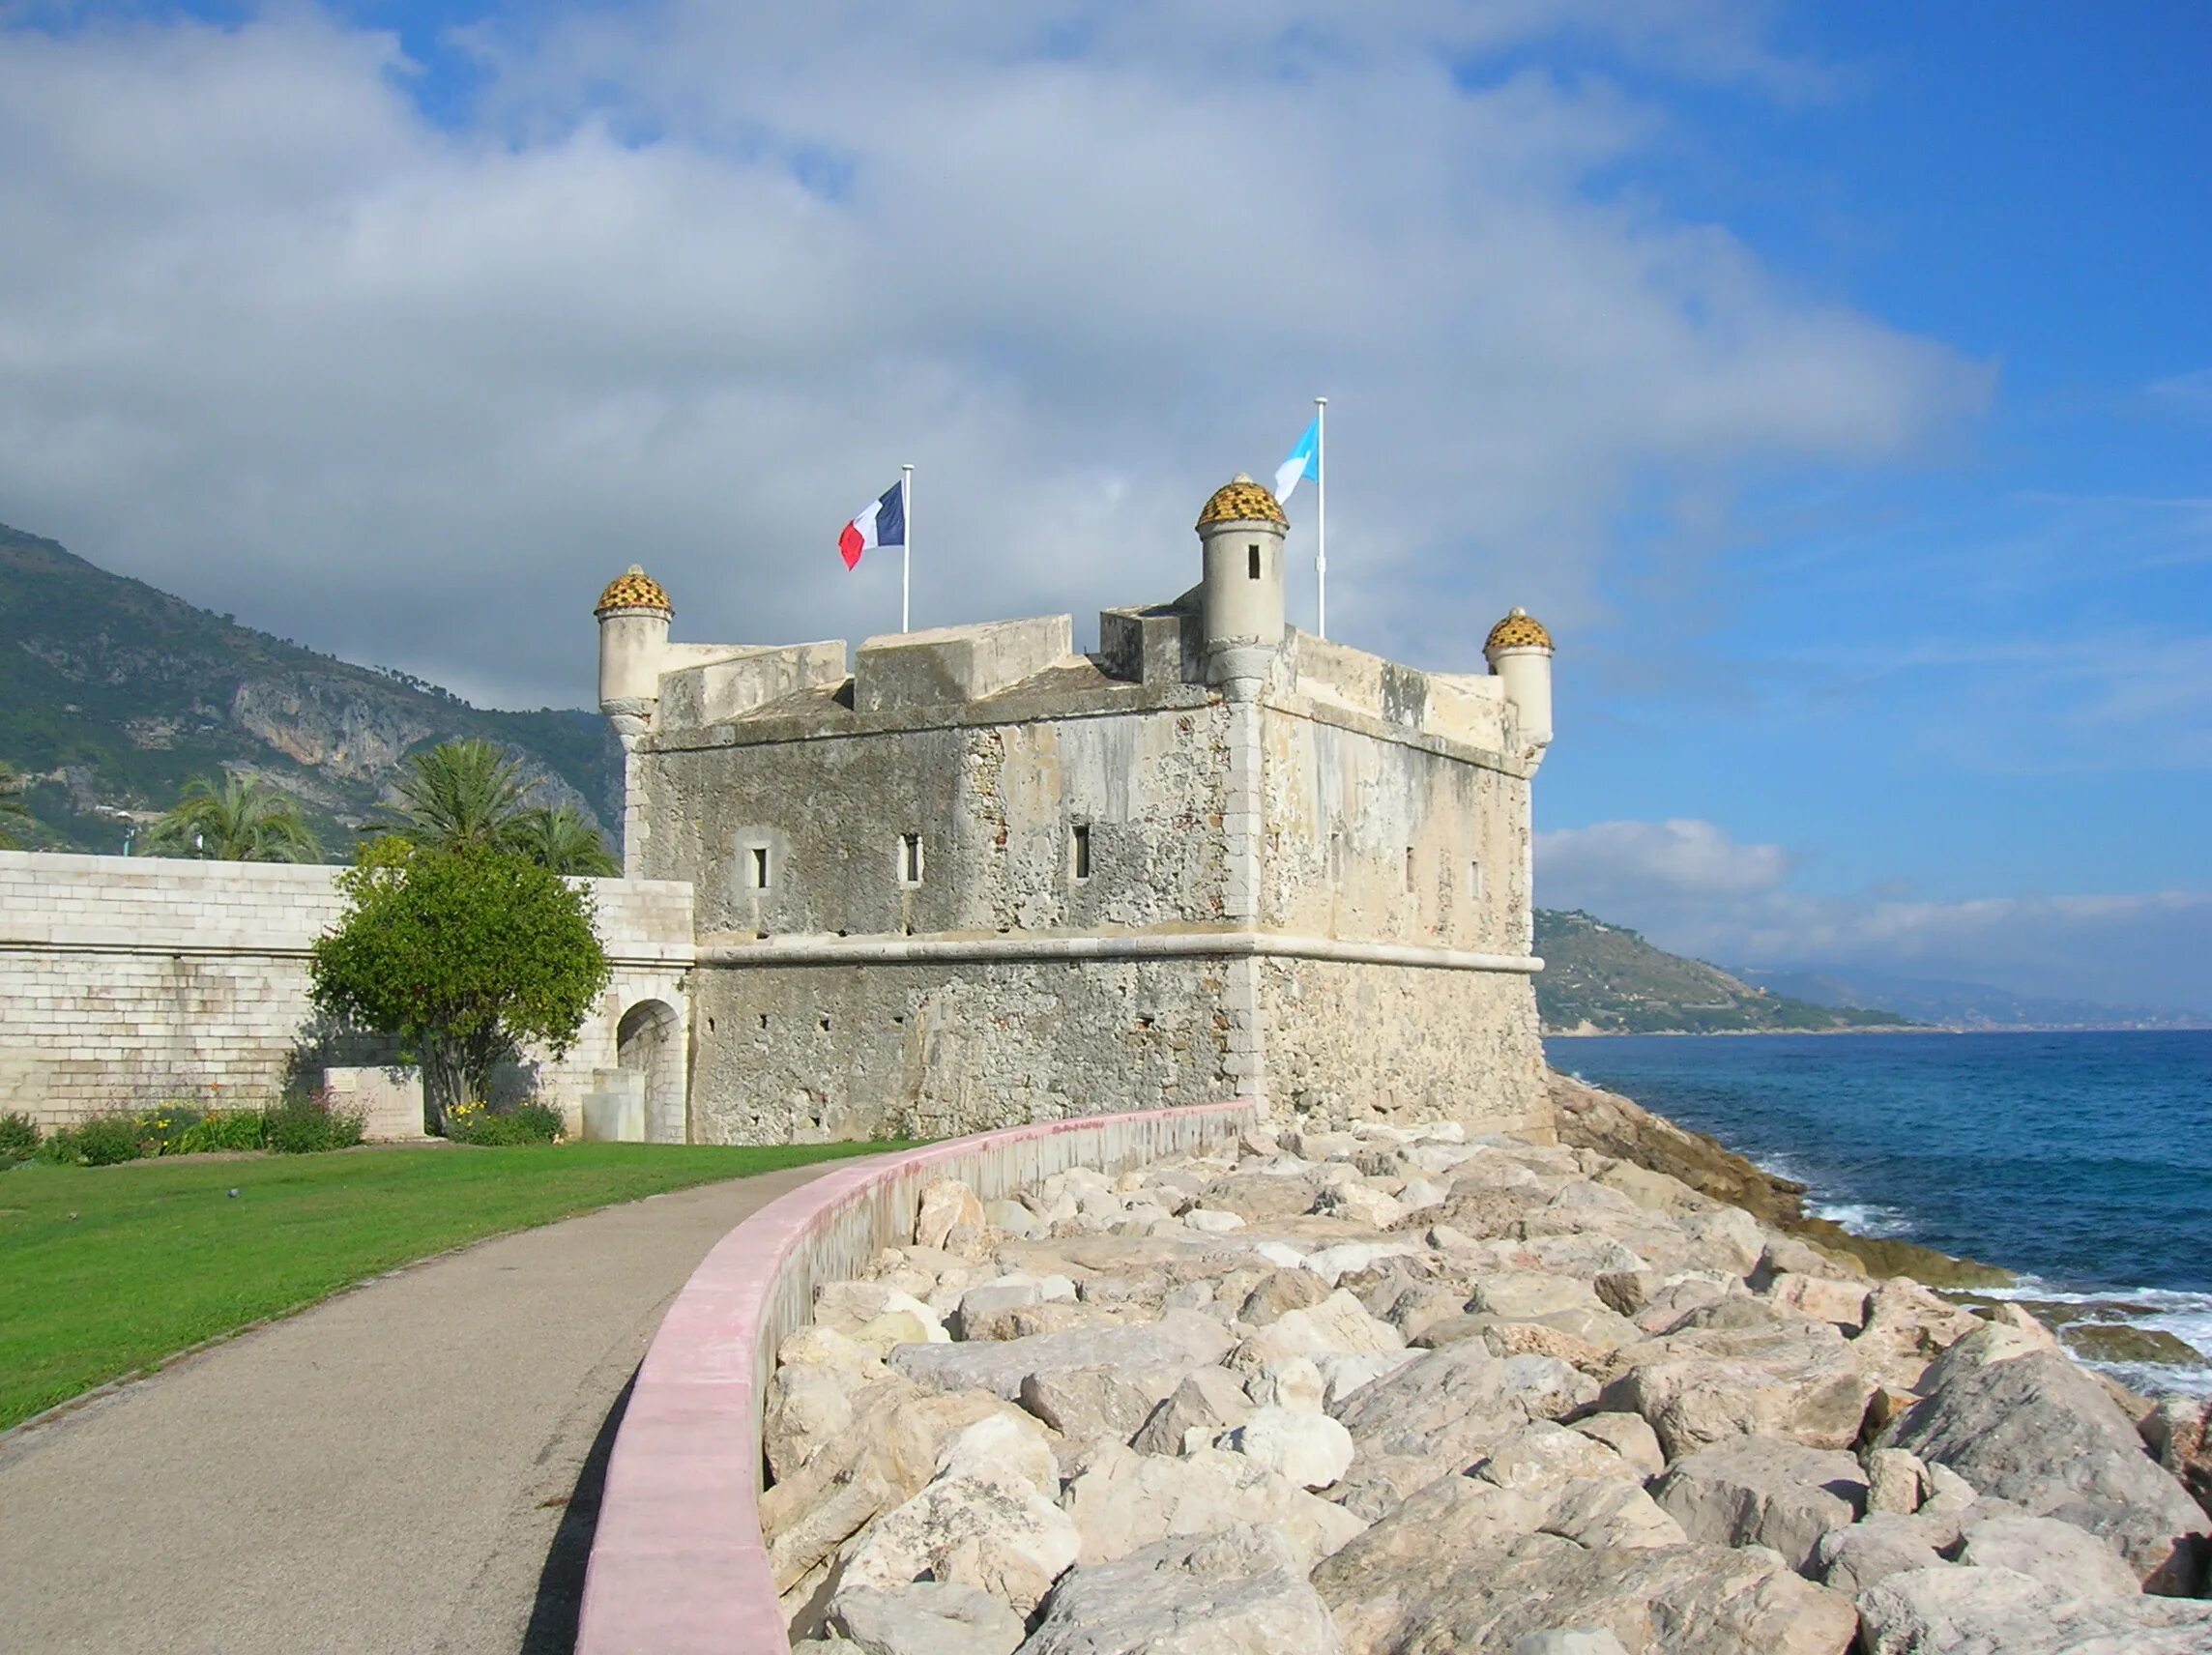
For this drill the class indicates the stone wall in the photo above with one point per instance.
(125, 981)
(1349, 1042)
(946, 896)
(935, 1049)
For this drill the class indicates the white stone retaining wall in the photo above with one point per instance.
(125, 981)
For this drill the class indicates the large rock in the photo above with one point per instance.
(2049, 1549)
(1278, 1293)
(994, 1535)
(1239, 1591)
(947, 1204)
(1628, 1436)
(1181, 1339)
(1207, 1400)
(1442, 1413)
(1821, 1298)
(1787, 1379)
(930, 1617)
(1541, 1477)
(1304, 1445)
(2035, 1430)
(1999, 1611)
(886, 1457)
(1092, 1402)
(2179, 1432)
(1663, 1600)
(1260, 1197)
(1867, 1553)
(1764, 1491)
(1529, 1293)
(1338, 1326)
(1121, 1501)
(806, 1407)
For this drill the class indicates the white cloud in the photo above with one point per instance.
(704, 278)
(1692, 888)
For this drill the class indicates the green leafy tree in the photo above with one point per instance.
(561, 840)
(463, 954)
(12, 807)
(460, 793)
(233, 821)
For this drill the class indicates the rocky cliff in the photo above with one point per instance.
(114, 694)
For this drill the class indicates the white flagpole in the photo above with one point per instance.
(1321, 514)
(906, 551)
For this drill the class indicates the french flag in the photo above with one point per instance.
(881, 524)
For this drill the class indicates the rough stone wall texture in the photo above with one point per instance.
(1291, 816)
(807, 1053)
(1347, 801)
(126, 981)
(1363, 1042)
(995, 805)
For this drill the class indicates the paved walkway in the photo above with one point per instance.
(389, 1472)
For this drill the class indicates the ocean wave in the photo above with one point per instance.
(2186, 1316)
(1867, 1218)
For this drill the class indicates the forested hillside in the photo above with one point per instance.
(113, 694)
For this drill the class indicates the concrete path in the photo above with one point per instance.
(411, 1467)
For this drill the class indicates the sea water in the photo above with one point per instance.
(2080, 1161)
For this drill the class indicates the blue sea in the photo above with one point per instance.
(2080, 1161)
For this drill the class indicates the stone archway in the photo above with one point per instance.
(649, 1041)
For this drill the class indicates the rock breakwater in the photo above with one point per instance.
(1388, 1391)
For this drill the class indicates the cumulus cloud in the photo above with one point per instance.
(691, 282)
(1693, 889)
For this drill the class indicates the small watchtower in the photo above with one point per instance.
(1241, 531)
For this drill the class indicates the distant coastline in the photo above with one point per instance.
(1587, 1033)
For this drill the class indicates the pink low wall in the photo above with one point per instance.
(678, 1565)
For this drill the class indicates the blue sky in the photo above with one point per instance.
(1836, 381)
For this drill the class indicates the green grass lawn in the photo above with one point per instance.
(106, 1270)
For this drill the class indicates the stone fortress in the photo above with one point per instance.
(979, 879)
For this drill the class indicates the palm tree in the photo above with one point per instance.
(458, 792)
(233, 821)
(562, 840)
(11, 805)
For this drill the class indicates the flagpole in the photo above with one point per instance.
(1321, 515)
(906, 551)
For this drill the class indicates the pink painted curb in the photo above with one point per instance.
(678, 1566)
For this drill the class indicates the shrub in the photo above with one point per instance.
(304, 1125)
(526, 1123)
(104, 1140)
(220, 1130)
(19, 1138)
(160, 1130)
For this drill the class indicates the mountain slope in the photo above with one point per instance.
(113, 694)
(1605, 979)
(1963, 1004)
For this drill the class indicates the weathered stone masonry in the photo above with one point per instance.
(979, 879)
(127, 981)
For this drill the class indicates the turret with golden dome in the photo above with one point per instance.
(634, 588)
(1519, 650)
(633, 614)
(1519, 631)
(1241, 499)
(1241, 533)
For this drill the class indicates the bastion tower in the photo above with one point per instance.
(972, 877)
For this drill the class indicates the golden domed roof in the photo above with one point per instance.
(634, 589)
(1242, 501)
(1519, 631)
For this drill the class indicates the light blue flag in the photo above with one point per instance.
(1304, 461)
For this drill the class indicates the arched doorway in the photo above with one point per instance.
(650, 1041)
